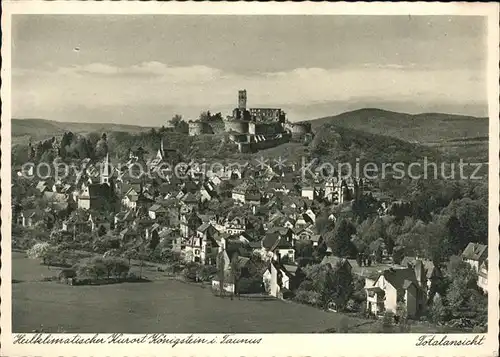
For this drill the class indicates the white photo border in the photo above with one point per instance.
(272, 344)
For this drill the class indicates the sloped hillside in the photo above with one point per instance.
(39, 129)
(422, 128)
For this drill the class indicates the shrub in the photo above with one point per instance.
(353, 305)
(306, 285)
(287, 294)
(249, 285)
(175, 268)
(207, 272)
(43, 251)
(67, 273)
(307, 297)
(190, 271)
(387, 321)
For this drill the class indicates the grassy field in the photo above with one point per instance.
(162, 305)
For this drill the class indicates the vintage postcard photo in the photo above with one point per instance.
(249, 179)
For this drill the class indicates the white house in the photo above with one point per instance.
(393, 286)
(482, 277)
(235, 226)
(156, 211)
(308, 192)
(130, 199)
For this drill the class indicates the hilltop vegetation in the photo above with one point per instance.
(455, 136)
(368, 134)
(42, 129)
(422, 128)
(334, 143)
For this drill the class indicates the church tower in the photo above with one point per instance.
(106, 170)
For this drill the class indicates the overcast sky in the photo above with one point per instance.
(143, 69)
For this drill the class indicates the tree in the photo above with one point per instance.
(359, 259)
(221, 267)
(183, 127)
(438, 311)
(341, 242)
(398, 254)
(343, 286)
(235, 274)
(101, 148)
(468, 223)
(377, 247)
(401, 312)
(43, 251)
(463, 286)
(101, 231)
(129, 254)
(323, 224)
(205, 116)
(333, 284)
(388, 321)
(304, 249)
(98, 267)
(121, 268)
(176, 120)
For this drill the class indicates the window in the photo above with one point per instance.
(197, 251)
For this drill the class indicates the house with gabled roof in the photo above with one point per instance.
(157, 211)
(236, 225)
(276, 244)
(131, 198)
(279, 277)
(475, 254)
(203, 247)
(308, 234)
(246, 192)
(392, 287)
(29, 217)
(427, 272)
(94, 196)
(190, 200)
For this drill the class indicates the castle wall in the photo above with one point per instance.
(266, 113)
(265, 128)
(239, 138)
(199, 127)
(237, 126)
(254, 144)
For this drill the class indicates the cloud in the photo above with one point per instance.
(155, 83)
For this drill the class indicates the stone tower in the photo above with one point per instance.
(242, 99)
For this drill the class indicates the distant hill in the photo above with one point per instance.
(39, 129)
(424, 128)
(456, 136)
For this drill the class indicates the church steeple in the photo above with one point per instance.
(105, 170)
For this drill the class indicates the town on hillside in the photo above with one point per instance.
(338, 244)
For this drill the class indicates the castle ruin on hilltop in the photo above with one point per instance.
(254, 129)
